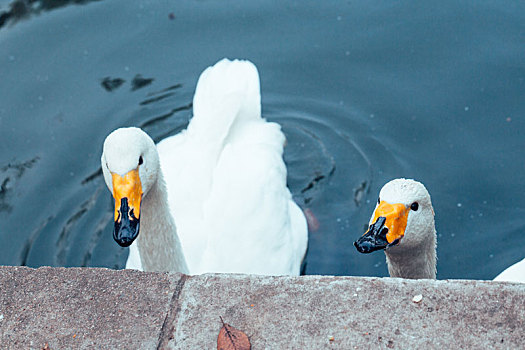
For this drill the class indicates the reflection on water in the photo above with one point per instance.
(111, 84)
(9, 175)
(364, 93)
(24, 9)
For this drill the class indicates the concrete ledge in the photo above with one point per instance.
(83, 308)
(106, 309)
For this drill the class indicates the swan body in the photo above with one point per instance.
(403, 225)
(224, 206)
(514, 273)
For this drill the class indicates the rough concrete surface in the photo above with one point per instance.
(78, 308)
(316, 312)
(105, 309)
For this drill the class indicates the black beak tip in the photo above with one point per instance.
(126, 226)
(374, 239)
(359, 246)
(125, 233)
(365, 246)
(124, 241)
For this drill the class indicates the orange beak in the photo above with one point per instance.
(127, 191)
(389, 225)
(396, 219)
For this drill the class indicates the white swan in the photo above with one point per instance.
(212, 198)
(403, 225)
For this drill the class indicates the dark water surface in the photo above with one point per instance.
(365, 92)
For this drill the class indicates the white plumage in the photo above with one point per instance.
(415, 255)
(225, 181)
(514, 273)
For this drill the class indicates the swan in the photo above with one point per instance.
(212, 198)
(403, 225)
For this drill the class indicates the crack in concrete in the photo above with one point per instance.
(168, 327)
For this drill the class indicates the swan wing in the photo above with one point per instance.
(225, 94)
(226, 180)
(256, 227)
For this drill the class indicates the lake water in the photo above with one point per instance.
(365, 91)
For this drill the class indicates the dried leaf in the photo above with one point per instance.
(231, 338)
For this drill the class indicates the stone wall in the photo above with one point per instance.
(59, 308)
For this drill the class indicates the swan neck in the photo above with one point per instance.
(415, 262)
(158, 242)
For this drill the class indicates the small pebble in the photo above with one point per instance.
(417, 298)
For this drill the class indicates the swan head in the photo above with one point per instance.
(130, 163)
(403, 218)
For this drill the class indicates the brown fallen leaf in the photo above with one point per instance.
(231, 338)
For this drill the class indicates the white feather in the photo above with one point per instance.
(514, 273)
(412, 258)
(226, 182)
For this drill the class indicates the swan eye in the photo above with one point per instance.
(378, 200)
(141, 160)
(414, 206)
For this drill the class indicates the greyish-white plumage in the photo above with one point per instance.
(408, 232)
(411, 249)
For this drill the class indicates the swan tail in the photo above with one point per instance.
(226, 93)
